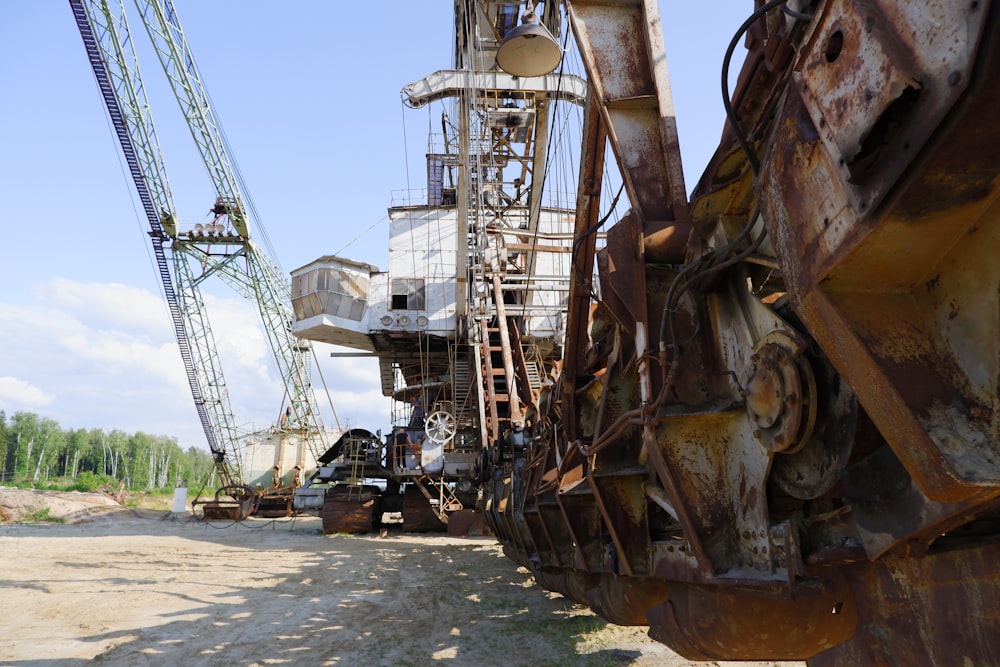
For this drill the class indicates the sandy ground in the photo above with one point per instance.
(137, 587)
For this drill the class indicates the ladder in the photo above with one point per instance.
(502, 368)
(357, 457)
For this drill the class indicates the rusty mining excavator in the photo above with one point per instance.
(787, 447)
(770, 427)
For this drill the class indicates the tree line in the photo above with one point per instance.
(35, 450)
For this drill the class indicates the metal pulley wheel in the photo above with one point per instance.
(780, 394)
(440, 427)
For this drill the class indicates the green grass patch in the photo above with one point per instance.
(41, 516)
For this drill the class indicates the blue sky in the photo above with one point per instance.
(308, 95)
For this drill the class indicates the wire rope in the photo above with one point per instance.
(741, 135)
(555, 137)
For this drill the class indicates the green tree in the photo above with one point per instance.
(38, 440)
(24, 430)
(93, 456)
(75, 453)
(3, 445)
(35, 449)
(198, 468)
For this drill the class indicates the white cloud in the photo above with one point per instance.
(355, 389)
(104, 355)
(18, 395)
(368, 409)
(113, 304)
(239, 337)
(90, 354)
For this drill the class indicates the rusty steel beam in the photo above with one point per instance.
(622, 48)
(584, 247)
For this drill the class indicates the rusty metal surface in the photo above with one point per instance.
(275, 505)
(234, 502)
(418, 515)
(582, 267)
(623, 600)
(573, 584)
(349, 510)
(703, 623)
(956, 592)
(891, 279)
(787, 448)
(216, 511)
(623, 52)
(467, 523)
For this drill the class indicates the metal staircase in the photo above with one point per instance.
(463, 391)
(443, 501)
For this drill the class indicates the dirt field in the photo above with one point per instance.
(140, 587)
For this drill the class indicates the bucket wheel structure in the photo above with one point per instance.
(775, 433)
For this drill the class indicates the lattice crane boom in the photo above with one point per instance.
(258, 275)
(163, 27)
(187, 257)
(112, 56)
